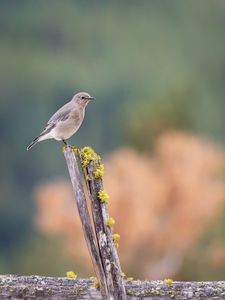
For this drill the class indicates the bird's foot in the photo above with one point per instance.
(74, 149)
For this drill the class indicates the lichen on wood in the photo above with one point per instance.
(107, 247)
(40, 287)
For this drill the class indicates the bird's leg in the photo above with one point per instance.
(65, 143)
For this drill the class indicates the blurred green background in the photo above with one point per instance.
(151, 65)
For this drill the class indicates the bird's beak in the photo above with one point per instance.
(91, 98)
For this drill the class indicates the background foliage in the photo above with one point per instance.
(153, 66)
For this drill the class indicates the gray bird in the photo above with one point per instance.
(66, 121)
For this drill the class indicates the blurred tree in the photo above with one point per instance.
(170, 112)
(163, 204)
(151, 65)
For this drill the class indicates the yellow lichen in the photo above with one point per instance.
(110, 222)
(88, 178)
(116, 239)
(99, 171)
(96, 283)
(64, 149)
(168, 281)
(103, 196)
(71, 274)
(123, 275)
(88, 155)
(130, 278)
(74, 149)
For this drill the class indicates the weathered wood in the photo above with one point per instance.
(85, 219)
(105, 258)
(54, 288)
(106, 245)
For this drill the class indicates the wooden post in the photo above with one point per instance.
(99, 240)
(85, 219)
(106, 245)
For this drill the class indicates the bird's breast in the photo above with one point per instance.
(65, 129)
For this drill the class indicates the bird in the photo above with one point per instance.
(66, 121)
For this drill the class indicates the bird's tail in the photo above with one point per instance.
(34, 142)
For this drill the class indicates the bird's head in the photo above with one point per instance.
(82, 99)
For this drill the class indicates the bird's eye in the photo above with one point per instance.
(82, 97)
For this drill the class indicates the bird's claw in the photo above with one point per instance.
(74, 149)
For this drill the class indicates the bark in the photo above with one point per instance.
(99, 237)
(39, 287)
(106, 245)
(85, 219)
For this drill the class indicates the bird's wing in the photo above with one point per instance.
(61, 115)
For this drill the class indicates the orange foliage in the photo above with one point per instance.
(215, 256)
(162, 203)
(57, 215)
